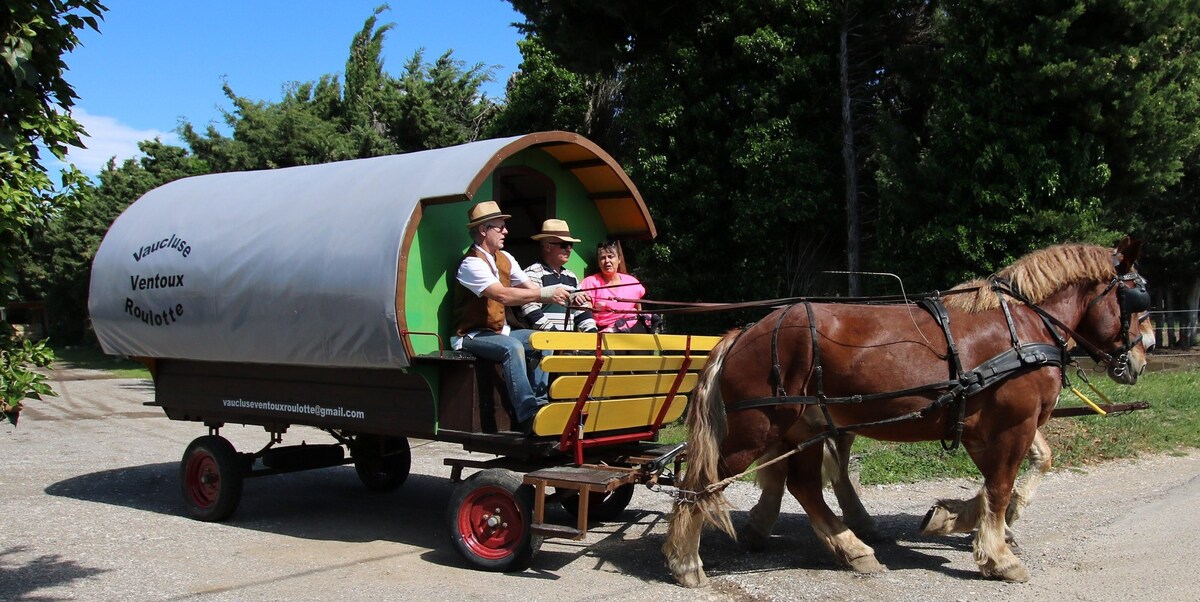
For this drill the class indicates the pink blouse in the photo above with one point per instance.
(604, 299)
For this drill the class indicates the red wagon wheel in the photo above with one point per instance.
(489, 520)
(211, 475)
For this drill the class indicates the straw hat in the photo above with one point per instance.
(483, 212)
(555, 228)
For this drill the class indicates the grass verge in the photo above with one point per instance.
(92, 358)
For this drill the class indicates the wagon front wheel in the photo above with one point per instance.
(490, 521)
(211, 475)
(602, 506)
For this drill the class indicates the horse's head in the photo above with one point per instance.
(1116, 319)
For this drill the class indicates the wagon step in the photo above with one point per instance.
(585, 481)
(560, 531)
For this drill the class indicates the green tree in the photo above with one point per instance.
(306, 127)
(728, 118)
(1041, 122)
(35, 104)
(980, 130)
(544, 95)
(428, 106)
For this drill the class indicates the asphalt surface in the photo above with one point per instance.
(90, 509)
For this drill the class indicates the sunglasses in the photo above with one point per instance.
(562, 245)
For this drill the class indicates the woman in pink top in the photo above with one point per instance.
(611, 284)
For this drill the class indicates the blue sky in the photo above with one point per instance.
(156, 63)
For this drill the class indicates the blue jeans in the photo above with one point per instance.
(510, 352)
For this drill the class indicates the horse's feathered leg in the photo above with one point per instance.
(706, 430)
(853, 513)
(804, 482)
(1039, 458)
(999, 463)
(953, 516)
(1040, 462)
(962, 516)
(771, 480)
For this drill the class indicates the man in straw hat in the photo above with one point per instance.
(489, 279)
(556, 243)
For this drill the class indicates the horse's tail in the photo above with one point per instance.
(707, 427)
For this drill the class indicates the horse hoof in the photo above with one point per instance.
(1014, 573)
(692, 579)
(865, 565)
(938, 521)
(751, 540)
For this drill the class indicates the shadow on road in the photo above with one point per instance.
(325, 504)
(17, 581)
(794, 546)
(331, 504)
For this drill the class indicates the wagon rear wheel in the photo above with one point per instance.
(382, 463)
(602, 506)
(211, 475)
(489, 519)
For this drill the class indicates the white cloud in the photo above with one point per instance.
(107, 137)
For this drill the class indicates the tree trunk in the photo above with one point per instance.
(853, 226)
(1172, 321)
(1193, 303)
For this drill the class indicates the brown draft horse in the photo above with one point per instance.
(772, 389)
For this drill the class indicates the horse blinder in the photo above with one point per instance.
(1135, 299)
(1131, 300)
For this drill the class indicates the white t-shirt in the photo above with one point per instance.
(477, 274)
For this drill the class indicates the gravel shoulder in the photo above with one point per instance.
(90, 510)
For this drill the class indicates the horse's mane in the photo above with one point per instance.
(1038, 275)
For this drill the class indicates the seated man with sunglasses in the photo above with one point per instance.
(489, 280)
(556, 243)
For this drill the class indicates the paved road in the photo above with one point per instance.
(90, 510)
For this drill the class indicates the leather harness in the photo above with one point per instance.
(1020, 357)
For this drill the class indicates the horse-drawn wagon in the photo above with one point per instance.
(317, 296)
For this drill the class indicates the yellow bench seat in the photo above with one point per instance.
(636, 373)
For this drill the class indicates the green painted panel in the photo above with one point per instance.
(441, 240)
(572, 204)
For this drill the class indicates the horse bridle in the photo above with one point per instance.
(1131, 300)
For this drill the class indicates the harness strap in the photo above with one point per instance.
(1027, 355)
(1002, 286)
(937, 309)
(1012, 328)
(776, 371)
(760, 402)
(819, 372)
(999, 367)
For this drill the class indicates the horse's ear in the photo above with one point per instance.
(1128, 250)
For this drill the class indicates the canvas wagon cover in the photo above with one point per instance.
(286, 266)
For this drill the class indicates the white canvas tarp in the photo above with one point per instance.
(287, 266)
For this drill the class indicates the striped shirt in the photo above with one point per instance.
(550, 316)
